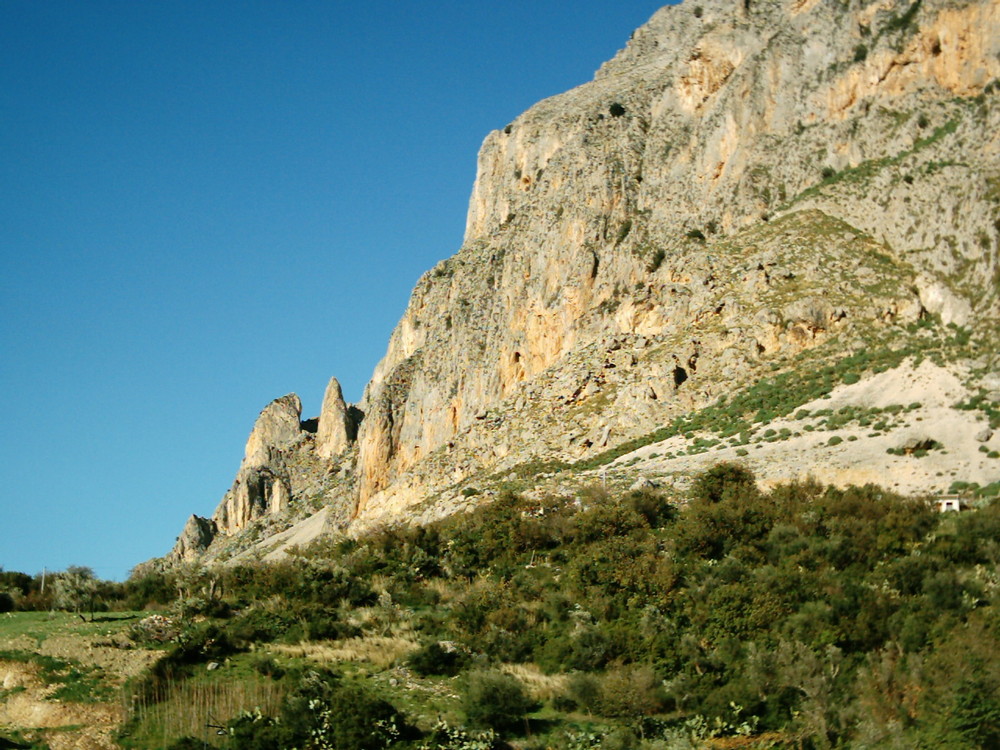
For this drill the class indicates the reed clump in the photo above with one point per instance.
(188, 708)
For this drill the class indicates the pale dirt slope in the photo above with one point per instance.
(864, 459)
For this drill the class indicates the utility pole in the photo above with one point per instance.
(43, 579)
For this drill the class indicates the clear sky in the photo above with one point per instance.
(207, 205)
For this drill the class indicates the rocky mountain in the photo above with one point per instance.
(757, 209)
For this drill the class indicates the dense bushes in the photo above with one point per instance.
(828, 616)
(322, 712)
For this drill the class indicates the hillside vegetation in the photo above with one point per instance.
(806, 616)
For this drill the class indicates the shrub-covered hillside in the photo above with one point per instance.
(802, 617)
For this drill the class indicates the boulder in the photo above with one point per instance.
(919, 443)
(642, 483)
(938, 299)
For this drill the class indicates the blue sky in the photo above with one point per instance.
(207, 205)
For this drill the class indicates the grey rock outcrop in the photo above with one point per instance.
(194, 539)
(281, 473)
(257, 491)
(262, 486)
(939, 300)
(622, 208)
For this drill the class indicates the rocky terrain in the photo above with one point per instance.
(60, 677)
(767, 231)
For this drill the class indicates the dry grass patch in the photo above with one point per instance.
(541, 686)
(442, 587)
(387, 621)
(379, 651)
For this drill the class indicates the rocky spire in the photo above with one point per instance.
(336, 428)
(277, 427)
(261, 486)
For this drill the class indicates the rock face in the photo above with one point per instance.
(744, 182)
(262, 486)
(590, 212)
(198, 533)
(277, 428)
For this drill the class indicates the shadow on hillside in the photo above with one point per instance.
(541, 726)
(110, 618)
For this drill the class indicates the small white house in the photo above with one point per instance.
(949, 503)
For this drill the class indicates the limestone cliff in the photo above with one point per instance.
(744, 182)
(589, 213)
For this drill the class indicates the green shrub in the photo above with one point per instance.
(607, 521)
(267, 666)
(322, 713)
(495, 700)
(630, 692)
(584, 691)
(259, 624)
(654, 507)
(721, 481)
(589, 650)
(200, 643)
(444, 737)
(434, 660)
(152, 589)
(656, 260)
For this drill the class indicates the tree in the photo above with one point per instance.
(76, 590)
(722, 481)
